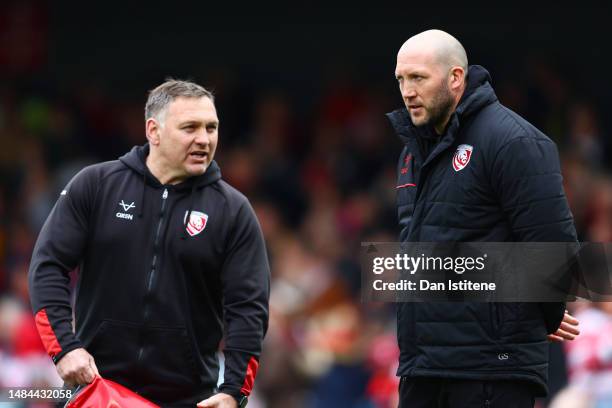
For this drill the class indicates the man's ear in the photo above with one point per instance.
(457, 78)
(152, 128)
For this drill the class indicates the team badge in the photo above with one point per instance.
(462, 156)
(197, 222)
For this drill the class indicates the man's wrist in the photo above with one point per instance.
(73, 346)
(240, 398)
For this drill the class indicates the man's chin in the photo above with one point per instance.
(419, 121)
(195, 171)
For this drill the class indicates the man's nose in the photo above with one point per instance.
(408, 92)
(202, 137)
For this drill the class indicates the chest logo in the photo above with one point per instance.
(197, 222)
(462, 156)
(126, 207)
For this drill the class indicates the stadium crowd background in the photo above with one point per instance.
(303, 135)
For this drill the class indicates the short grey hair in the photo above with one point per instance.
(160, 97)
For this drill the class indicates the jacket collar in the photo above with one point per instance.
(478, 94)
(135, 159)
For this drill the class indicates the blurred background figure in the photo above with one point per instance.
(304, 136)
(589, 359)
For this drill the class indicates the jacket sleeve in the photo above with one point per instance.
(245, 281)
(528, 181)
(58, 251)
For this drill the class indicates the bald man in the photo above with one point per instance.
(472, 170)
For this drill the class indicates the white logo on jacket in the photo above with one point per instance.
(197, 222)
(126, 207)
(462, 156)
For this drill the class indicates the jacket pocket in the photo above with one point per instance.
(114, 347)
(169, 359)
(506, 320)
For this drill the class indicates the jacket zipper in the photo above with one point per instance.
(426, 161)
(153, 263)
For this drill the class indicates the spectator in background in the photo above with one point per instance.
(22, 355)
(584, 135)
(589, 357)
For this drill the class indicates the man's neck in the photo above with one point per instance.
(159, 170)
(441, 128)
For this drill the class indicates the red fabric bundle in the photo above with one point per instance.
(103, 393)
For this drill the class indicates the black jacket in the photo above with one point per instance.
(509, 190)
(155, 295)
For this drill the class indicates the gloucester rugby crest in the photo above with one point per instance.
(197, 222)
(462, 156)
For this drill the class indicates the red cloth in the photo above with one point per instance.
(103, 393)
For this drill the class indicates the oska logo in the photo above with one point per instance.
(462, 156)
(126, 207)
(197, 222)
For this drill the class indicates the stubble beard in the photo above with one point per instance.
(440, 107)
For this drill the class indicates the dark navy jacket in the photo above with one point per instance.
(492, 177)
(155, 294)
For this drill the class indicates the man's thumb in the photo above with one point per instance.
(205, 404)
(94, 368)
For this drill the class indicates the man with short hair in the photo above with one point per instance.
(472, 170)
(170, 258)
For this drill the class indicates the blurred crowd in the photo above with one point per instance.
(321, 178)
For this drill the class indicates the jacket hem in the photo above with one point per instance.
(540, 387)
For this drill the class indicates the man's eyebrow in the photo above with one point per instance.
(417, 72)
(199, 122)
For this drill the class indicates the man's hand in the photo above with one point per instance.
(219, 400)
(77, 367)
(567, 331)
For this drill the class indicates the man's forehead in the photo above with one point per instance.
(416, 60)
(194, 108)
(416, 55)
(407, 68)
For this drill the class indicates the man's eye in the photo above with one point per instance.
(211, 128)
